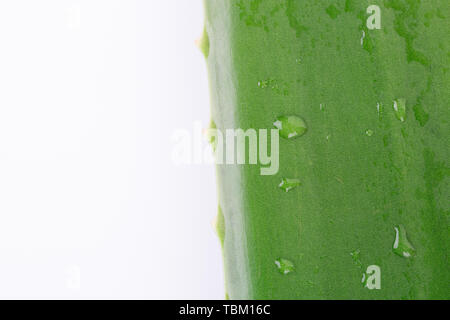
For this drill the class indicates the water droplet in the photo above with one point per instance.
(290, 126)
(369, 132)
(263, 84)
(364, 279)
(298, 60)
(289, 184)
(363, 37)
(284, 266)
(379, 109)
(402, 247)
(400, 109)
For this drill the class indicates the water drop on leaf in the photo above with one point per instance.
(290, 126)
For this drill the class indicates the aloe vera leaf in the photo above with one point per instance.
(320, 61)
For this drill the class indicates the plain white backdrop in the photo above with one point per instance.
(91, 204)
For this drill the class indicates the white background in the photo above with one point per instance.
(91, 204)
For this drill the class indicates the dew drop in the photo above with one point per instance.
(284, 266)
(365, 278)
(263, 84)
(400, 109)
(402, 247)
(369, 132)
(363, 37)
(290, 126)
(379, 110)
(289, 184)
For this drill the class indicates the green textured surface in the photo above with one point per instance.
(362, 170)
